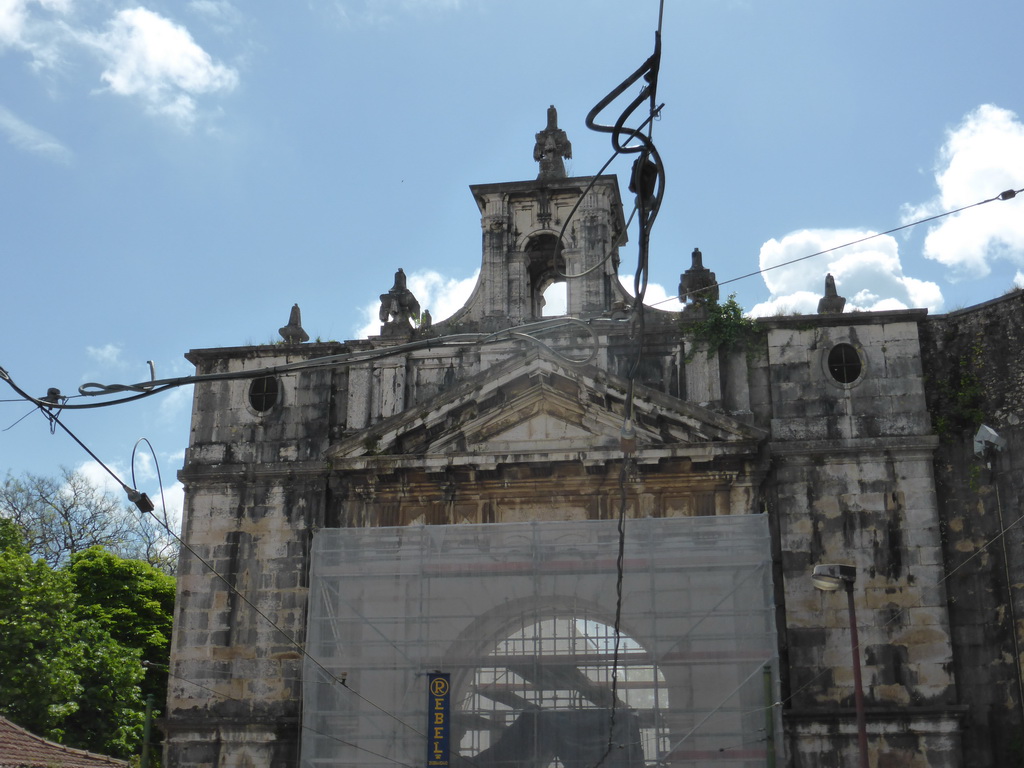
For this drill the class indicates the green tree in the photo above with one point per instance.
(133, 601)
(63, 675)
(111, 710)
(11, 539)
(40, 653)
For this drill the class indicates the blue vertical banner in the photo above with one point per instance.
(439, 707)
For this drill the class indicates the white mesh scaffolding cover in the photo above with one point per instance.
(522, 617)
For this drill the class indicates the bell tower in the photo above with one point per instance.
(553, 229)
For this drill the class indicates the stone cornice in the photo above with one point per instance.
(795, 449)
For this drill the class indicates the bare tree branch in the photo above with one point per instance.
(68, 514)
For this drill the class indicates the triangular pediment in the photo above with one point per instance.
(535, 408)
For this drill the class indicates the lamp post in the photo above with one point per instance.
(829, 578)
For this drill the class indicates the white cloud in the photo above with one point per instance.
(654, 296)
(24, 28)
(146, 55)
(216, 10)
(443, 296)
(157, 60)
(108, 354)
(24, 136)
(175, 405)
(377, 12)
(13, 16)
(99, 478)
(174, 497)
(220, 15)
(868, 274)
(982, 156)
(146, 477)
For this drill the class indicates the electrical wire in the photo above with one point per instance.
(16, 423)
(620, 560)
(167, 670)
(757, 670)
(305, 727)
(1008, 194)
(148, 509)
(147, 389)
(648, 184)
(850, 651)
(579, 201)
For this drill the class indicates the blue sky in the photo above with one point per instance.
(175, 175)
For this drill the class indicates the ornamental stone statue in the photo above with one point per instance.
(398, 307)
(552, 145)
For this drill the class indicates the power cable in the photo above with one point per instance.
(16, 423)
(579, 201)
(142, 501)
(1008, 194)
(848, 652)
(648, 184)
(167, 669)
(147, 389)
(757, 670)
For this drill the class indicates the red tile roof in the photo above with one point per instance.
(21, 749)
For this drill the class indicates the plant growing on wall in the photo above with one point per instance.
(724, 327)
(961, 395)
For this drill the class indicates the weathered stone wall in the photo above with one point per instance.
(259, 483)
(254, 494)
(844, 469)
(975, 375)
(852, 483)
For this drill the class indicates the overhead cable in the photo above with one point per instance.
(1008, 194)
(648, 184)
(149, 388)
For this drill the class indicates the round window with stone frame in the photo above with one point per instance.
(264, 393)
(844, 364)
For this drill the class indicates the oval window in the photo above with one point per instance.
(844, 363)
(264, 393)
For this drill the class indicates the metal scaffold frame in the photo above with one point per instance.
(521, 618)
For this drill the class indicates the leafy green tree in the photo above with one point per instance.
(63, 674)
(111, 710)
(40, 653)
(133, 601)
(11, 539)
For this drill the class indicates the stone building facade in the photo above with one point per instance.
(828, 425)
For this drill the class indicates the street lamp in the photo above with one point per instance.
(829, 578)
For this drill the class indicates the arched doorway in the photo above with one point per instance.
(543, 696)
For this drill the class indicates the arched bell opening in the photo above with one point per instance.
(545, 268)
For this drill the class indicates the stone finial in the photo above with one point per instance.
(552, 145)
(698, 285)
(831, 303)
(398, 307)
(293, 333)
(426, 320)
